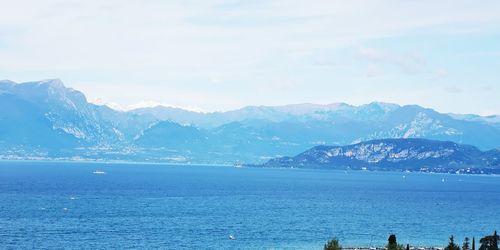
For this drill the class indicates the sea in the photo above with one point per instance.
(68, 205)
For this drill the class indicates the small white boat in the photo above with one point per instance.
(99, 172)
(231, 237)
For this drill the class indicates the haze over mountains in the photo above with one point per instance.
(44, 119)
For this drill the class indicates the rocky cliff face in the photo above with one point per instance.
(395, 154)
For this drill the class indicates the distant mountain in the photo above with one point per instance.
(341, 124)
(396, 154)
(490, 120)
(56, 120)
(304, 111)
(44, 119)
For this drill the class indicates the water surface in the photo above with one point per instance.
(64, 205)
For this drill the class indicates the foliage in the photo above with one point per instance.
(489, 242)
(452, 245)
(392, 239)
(466, 245)
(393, 245)
(333, 244)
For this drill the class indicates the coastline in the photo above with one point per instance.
(250, 166)
(114, 162)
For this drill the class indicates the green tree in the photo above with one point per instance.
(452, 245)
(393, 244)
(392, 239)
(332, 244)
(489, 242)
(466, 245)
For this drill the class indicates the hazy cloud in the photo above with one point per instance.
(221, 54)
(374, 70)
(453, 89)
(407, 63)
(440, 73)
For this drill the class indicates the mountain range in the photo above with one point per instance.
(396, 154)
(46, 120)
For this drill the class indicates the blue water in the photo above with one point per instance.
(64, 205)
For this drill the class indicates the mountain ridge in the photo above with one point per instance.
(46, 119)
(415, 155)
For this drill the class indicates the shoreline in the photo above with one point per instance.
(249, 166)
(116, 162)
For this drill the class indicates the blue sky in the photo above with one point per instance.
(221, 55)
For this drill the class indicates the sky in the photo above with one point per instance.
(222, 55)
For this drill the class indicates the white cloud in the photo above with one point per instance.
(453, 89)
(180, 35)
(372, 54)
(374, 70)
(409, 63)
(440, 73)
